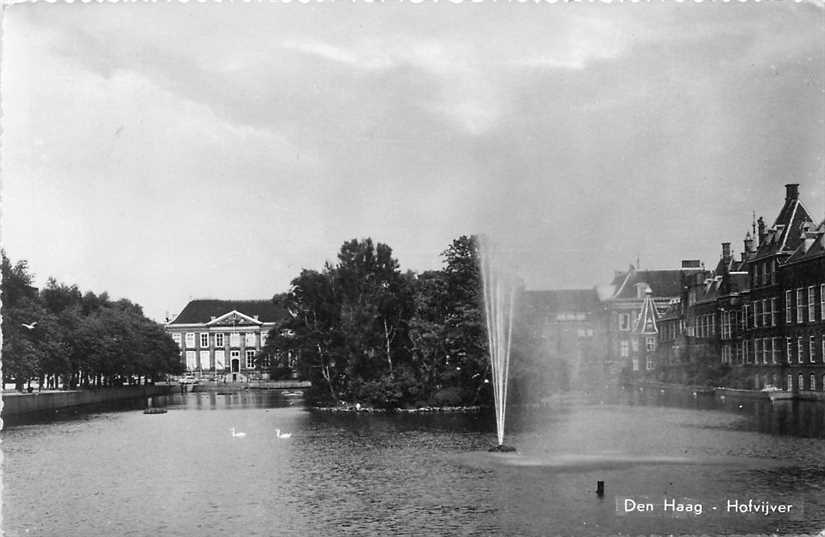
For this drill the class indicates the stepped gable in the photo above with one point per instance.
(204, 310)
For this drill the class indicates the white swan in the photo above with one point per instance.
(237, 435)
(282, 436)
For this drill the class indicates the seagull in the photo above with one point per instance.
(237, 435)
(30, 326)
(282, 436)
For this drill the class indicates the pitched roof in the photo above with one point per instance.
(558, 300)
(203, 310)
(662, 283)
(784, 236)
(646, 322)
(812, 245)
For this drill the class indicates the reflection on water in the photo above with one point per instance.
(183, 473)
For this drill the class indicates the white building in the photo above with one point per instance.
(223, 337)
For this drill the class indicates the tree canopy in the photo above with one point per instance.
(367, 332)
(60, 336)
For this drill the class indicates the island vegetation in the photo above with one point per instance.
(367, 332)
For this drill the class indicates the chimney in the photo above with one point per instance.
(726, 251)
(761, 223)
(791, 191)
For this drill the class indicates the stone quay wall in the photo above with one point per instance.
(16, 404)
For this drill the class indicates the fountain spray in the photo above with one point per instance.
(499, 298)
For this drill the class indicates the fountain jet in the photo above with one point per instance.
(499, 291)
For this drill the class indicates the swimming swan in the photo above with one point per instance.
(283, 436)
(237, 435)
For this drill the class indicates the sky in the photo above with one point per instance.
(166, 152)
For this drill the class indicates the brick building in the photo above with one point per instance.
(802, 279)
(622, 302)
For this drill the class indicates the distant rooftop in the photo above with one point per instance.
(204, 310)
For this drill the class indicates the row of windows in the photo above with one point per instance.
(201, 360)
(649, 364)
(771, 349)
(706, 325)
(806, 303)
(764, 273)
(218, 338)
(625, 346)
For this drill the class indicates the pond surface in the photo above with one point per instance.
(183, 473)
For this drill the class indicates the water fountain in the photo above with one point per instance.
(499, 292)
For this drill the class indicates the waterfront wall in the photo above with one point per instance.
(16, 404)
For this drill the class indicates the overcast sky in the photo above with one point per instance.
(168, 152)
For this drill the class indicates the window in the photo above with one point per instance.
(624, 349)
(634, 345)
(250, 359)
(635, 364)
(220, 360)
(800, 349)
(191, 362)
(649, 363)
(746, 351)
(765, 350)
(773, 311)
(764, 273)
(650, 344)
(249, 340)
(765, 313)
(204, 339)
(822, 306)
(264, 335)
(788, 306)
(746, 317)
(757, 349)
(738, 350)
(177, 339)
(800, 379)
(789, 383)
(811, 304)
(774, 350)
(812, 382)
(234, 339)
(624, 321)
(823, 351)
(204, 358)
(219, 340)
(800, 305)
(812, 349)
(755, 313)
(788, 350)
(190, 340)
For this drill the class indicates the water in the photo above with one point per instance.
(182, 473)
(499, 297)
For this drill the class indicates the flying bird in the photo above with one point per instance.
(30, 326)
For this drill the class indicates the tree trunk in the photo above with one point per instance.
(387, 341)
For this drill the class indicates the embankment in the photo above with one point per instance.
(23, 404)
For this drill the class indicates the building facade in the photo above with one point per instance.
(223, 338)
(622, 302)
(570, 327)
(802, 280)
